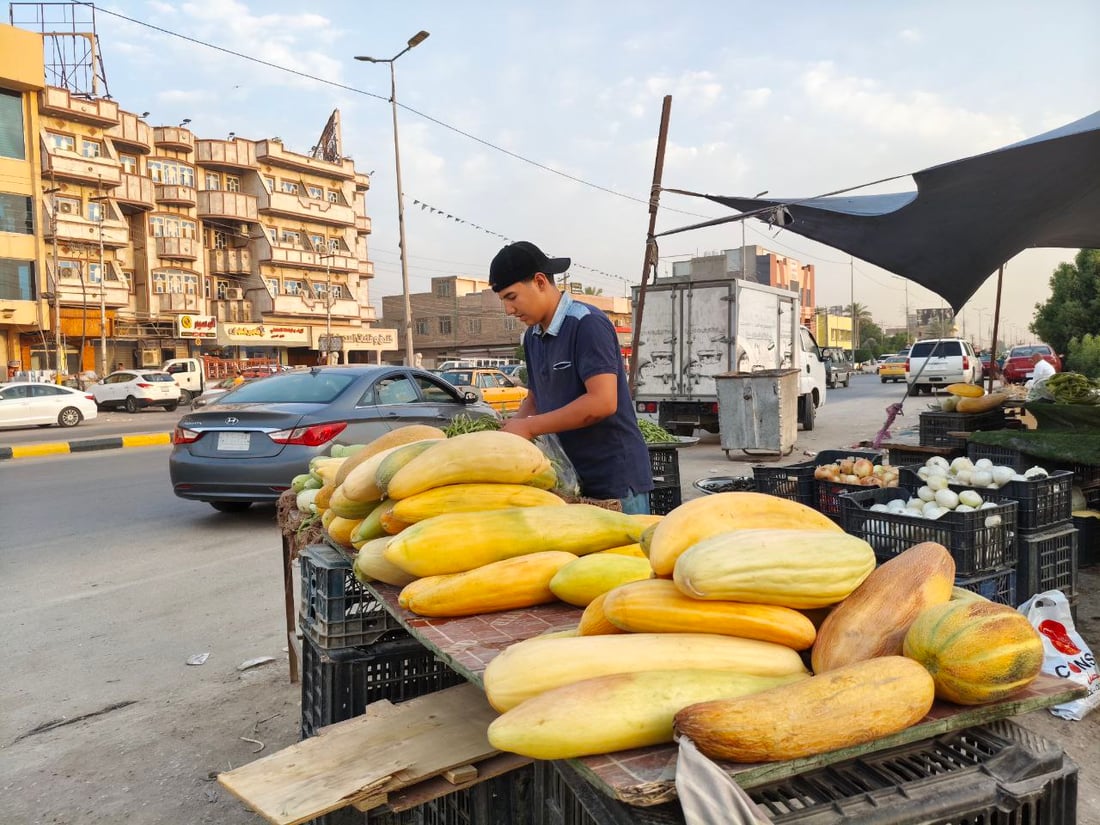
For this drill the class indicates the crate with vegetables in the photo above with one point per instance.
(753, 624)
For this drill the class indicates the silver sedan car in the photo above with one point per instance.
(248, 444)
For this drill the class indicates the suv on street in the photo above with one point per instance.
(838, 367)
(938, 362)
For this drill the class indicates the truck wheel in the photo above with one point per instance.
(807, 416)
(847, 379)
(131, 404)
(914, 389)
(883, 380)
(683, 430)
(185, 397)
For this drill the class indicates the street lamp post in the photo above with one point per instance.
(58, 352)
(101, 199)
(413, 42)
(327, 258)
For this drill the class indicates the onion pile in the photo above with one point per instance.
(859, 471)
(983, 473)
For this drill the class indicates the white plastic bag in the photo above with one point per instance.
(1065, 653)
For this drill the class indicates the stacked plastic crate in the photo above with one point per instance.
(664, 460)
(797, 482)
(1047, 542)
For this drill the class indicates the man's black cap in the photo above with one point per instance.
(520, 261)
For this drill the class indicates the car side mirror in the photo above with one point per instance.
(470, 397)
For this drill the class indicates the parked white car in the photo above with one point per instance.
(938, 362)
(134, 390)
(24, 404)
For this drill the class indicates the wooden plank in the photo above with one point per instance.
(369, 803)
(433, 788)
(457, 776)
(366, 756)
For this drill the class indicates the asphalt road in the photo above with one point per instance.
(154, 420)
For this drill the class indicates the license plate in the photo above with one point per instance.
(235, 442)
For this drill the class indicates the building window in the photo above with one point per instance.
(191, 283)
(473, 325)
(292, 287)
(444, 289)
(16, 277)
(220, 289)
(91, 148)
(317, 242)
(160, 283)
(64, 143)
(269, 183)
(129, 163)
(94, 212)
(272, 234)
(169, 226)
(171, 172)
(289, 238)
(289, 187)
(16, 214)
(12, 143)
(316, 192)
(213, 181)
(334, 246)
(422, 326)
(94, 274)
(445, 325)
(272, 285)
(319, 290)
(338, 292)
(232, 183)
(333, 196)
(221, 239)
(510, 323)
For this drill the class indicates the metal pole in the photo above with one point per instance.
(409, 360)
(58, 351)
(907, 339)
(650, 246)
(852, 287)
(102, 292)
(328, 309)
(996, 325)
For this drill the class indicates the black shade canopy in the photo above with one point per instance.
(967, 217)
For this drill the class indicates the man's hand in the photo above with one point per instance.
(519, 426)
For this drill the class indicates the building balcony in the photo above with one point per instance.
(181, 249)
(74, 293)
(178, 302)
(228, 262)
(135, 191)
(226, 155)
(301, 258)
(366, 269)
(362, 225)
(56, 102)
(175, 138)
(174, 194)
(306, 209)
(80, 230)
(232, 206)
(304, 305)
(362, 182)
(132, 133)
(60, 164)
(272, 152)
(233, 311)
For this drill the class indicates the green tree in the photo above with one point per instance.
(944, 328)
(1073, 308)
(860, 315)
(1084, 355)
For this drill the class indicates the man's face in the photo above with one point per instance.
(526, 300)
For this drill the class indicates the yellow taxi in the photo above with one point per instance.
(892, 369)
(501, 392)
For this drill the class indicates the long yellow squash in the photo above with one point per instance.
(471, 498)
(344, 506)
(535, 666)
(523, 581)
(370, 527)
(394, 438)
(371, 565)
(488, 456)
(361, 484)
(580, 581)
(792, 568)
(704, 517)
(657, 606)
(616, 712)
(462, 541)
(594, 621)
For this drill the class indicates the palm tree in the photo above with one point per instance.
(859, 314)
(593, 290)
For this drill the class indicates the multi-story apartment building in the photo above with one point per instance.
(462, 318)
(173, 245)
(755, 263)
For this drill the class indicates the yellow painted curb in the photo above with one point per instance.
(146, 440)
(30, 450)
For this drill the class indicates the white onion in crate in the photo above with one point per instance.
(963, 477)
(1035, 472)
(948, 499)
(964, 508)
(988, 505)
(983, 464)
(970, 499)
(981, 478)
(926, 493)
(937, 461)
(938, 482)
(929, 506)
(896, 505)
(936, 512)
(993, 521)
(923, 473)
(1002, 475)
(962, 463)
(879, 508)
(914, 504)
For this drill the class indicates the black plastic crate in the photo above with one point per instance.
(336, 611)
(899, 456)
(980, 541)
(1044, 502)
(1088, 540)
(338, 684)
(796, 481)
(664, 462)
(663, 500)
(998, 586)
(561, 796)
(1048, 561)
(935, 427)
(1086, 476)
(998, 774)
(998, 455)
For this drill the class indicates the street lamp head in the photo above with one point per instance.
(366, 58)
(417, 39)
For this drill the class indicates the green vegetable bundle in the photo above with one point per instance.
(1073, 388)
(654, 434)
(463, 423)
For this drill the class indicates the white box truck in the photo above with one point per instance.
(695, 329)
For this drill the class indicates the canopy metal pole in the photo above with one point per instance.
(996, 325)
(650, 246)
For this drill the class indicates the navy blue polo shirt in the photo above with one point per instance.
(610, 456)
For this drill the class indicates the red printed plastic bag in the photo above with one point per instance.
(1065, 653)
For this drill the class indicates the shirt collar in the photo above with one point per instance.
(554, 328)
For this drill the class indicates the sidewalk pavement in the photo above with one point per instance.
(84, 445)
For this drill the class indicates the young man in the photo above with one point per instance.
(576, 382)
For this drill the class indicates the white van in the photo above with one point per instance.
(938, 362)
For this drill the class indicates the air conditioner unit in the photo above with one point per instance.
(234, 294)
(150, 358)
(65, 207)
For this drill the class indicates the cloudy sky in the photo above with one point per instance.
(538, 121)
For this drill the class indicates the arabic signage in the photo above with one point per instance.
(361, 338)
(267, 334)
(197, 326)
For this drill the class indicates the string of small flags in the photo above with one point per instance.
(433, 210)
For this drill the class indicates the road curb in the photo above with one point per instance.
(84, 445)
